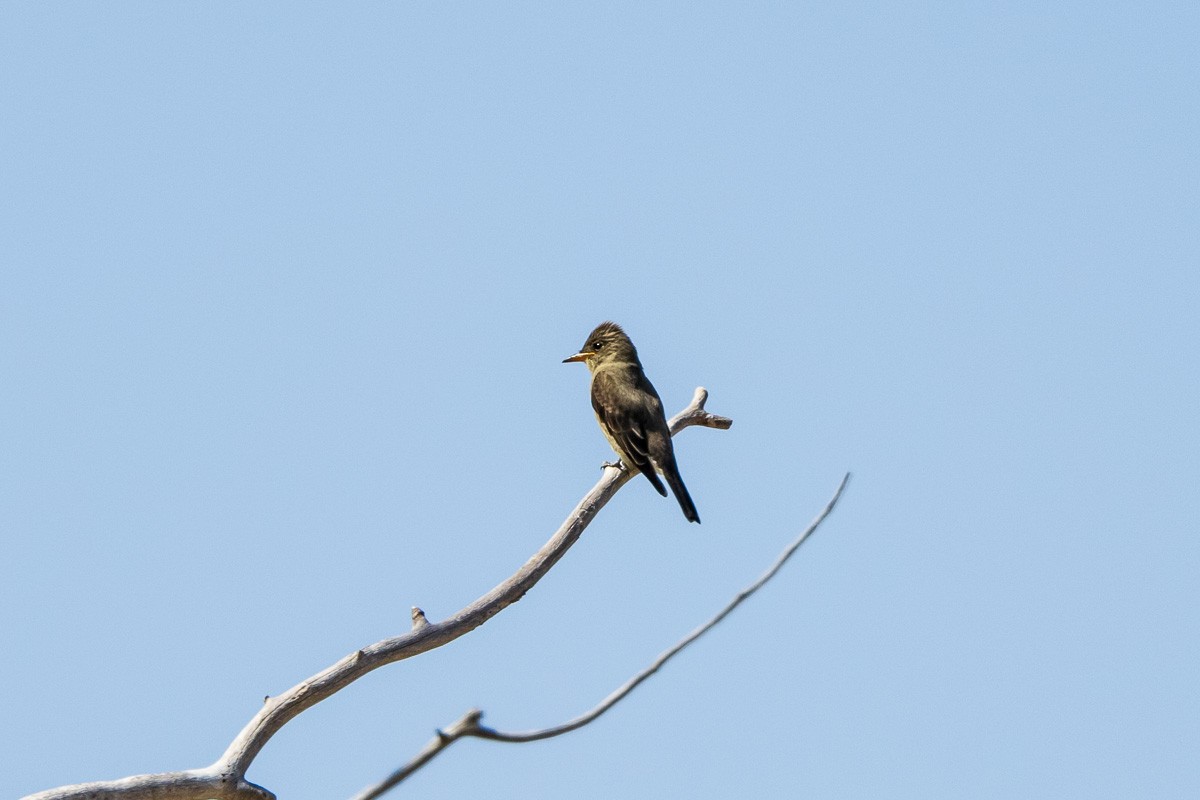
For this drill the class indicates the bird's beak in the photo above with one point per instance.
(581, 356)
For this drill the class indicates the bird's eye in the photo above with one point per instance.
(596, 344)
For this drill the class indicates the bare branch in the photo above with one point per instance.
(469, 723)
(194, 784)
(225, 779)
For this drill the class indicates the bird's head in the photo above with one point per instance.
(606, 344)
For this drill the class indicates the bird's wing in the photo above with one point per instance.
(624, 420)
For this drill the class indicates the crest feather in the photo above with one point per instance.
(608, 327)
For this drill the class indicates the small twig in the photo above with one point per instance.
(418, 619)
(469, 723)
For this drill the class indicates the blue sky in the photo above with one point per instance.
(286, 291)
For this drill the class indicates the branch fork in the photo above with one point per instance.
(225, 779)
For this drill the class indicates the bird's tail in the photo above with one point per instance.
(681, 494)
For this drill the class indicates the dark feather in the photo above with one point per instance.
(623, 424)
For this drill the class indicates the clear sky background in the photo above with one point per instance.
(284, 294)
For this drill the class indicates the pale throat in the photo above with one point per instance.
(595, 366)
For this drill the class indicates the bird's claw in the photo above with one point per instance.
(614, 464)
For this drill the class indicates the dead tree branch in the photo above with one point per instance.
(469, 723)
(226, 778)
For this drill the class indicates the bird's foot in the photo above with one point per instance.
(614, 464)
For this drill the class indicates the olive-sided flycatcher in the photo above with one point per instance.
(630, 412)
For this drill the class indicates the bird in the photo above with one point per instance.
(630, 412)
